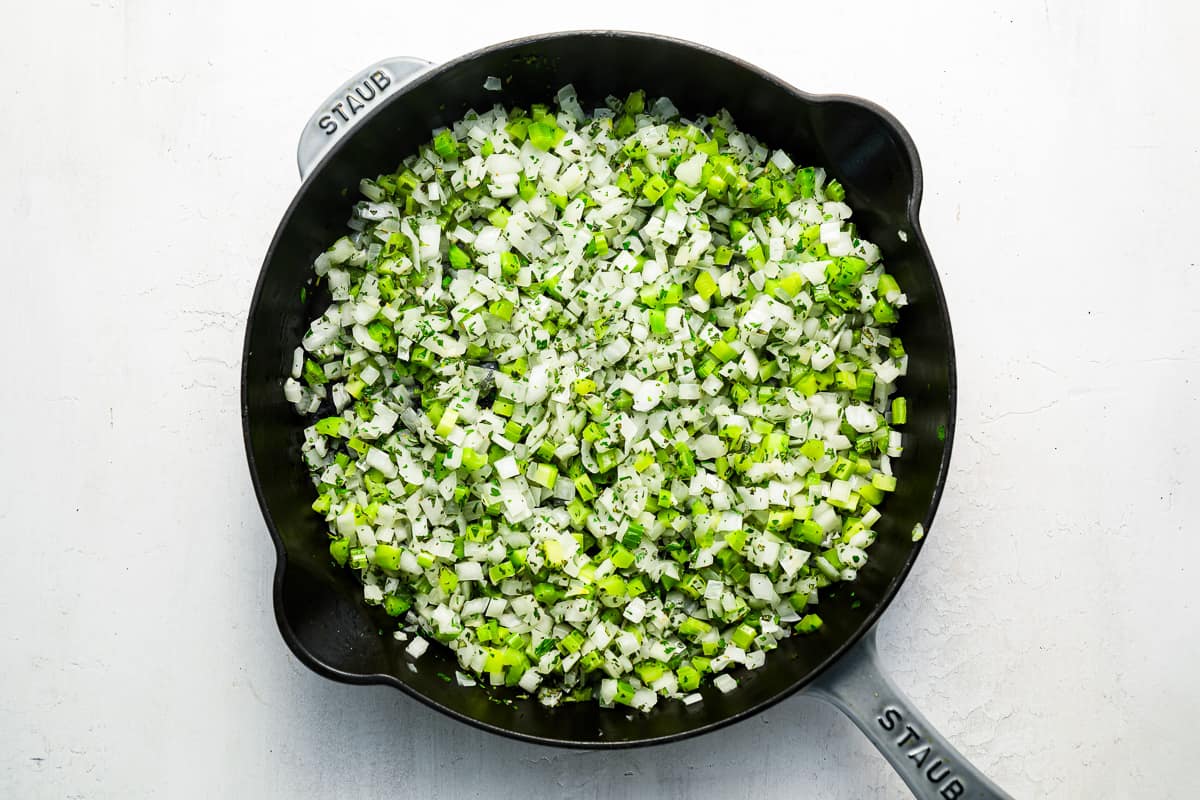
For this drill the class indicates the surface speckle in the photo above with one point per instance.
(1048, 627)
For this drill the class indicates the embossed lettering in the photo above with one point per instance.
(891, 716)
(938, 771)
(952, 790)
(932, 767)
(911, 734)
(354, 101)
(381, 79)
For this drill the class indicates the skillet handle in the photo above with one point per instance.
(355, 100)
(928, 763)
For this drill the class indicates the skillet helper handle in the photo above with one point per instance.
(926, 761)
(350, 104)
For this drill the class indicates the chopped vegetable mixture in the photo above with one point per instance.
(602, 401)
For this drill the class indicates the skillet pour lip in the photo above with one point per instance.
(912, 209)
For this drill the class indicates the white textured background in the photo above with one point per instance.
(1050, 626)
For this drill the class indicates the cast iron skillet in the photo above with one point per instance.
(386, 112)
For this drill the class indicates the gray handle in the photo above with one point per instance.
(350, 104)
(928, 763)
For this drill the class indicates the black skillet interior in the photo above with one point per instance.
(319, 608)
